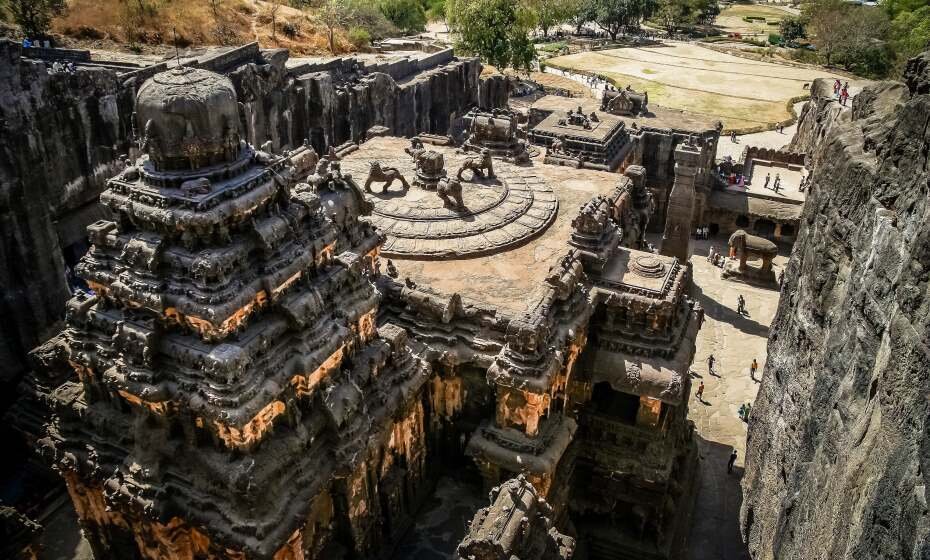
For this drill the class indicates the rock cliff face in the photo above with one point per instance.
(838, 447)
(61, 136)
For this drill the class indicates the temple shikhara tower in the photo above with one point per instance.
(225, 406)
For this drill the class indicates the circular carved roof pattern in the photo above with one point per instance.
(499, 213)
(648, 267)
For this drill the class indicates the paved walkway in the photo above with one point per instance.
(767, 139)
(734, 341)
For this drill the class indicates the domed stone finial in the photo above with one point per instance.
(188, 119)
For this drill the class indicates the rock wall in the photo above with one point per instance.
(61, 135)
(838, 450)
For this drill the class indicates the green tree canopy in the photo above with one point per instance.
(791, 29)
(495, 30)
(34, 17)
(613, 15)
(407, 15)
(551, 13)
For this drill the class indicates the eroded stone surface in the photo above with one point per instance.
(838, 439)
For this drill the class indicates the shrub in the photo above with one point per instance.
(359, 37)
(290, 29)
(774, 39)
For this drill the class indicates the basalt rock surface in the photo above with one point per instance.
(61, 136)
(838, 448)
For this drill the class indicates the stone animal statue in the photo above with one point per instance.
(450, 191)
(477, 165)
(744, 246)
(386, 175)
(556, 146)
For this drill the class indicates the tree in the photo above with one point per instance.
(825, 19)
(273, 11)
(495, 30)
(705, 11)
(613, 15)
(673, 14)
(334, 14)
(791, 29)
(910, 33)
(407, 15)
(582, 11)
(34, 17)
(550, 13)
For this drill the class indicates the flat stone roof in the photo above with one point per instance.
(639, 269)
(657, 117)
(509, 278)
(600, 130)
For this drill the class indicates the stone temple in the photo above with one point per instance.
(291, 347)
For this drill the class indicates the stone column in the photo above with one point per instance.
(677, 237)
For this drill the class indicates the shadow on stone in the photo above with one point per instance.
(715, 527)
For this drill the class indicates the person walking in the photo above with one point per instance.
(700, 392)
(768, 177)
(731, 461)
(740, 304)
(710, 366)
(752, 369)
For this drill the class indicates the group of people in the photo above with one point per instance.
(841, 91)
(59, 67)
(744, 410)
(702, 232)
(715, 258)
(776, 185)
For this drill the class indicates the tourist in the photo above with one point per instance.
(731, 461)
(752, 368)
(781, 278)
(710, 255)
(710, 364)
(740, 305)
(768, 177)
(742, 412)
(836, 88)
(777, 184)
(733, 137)
(27, 43)
(700, 392)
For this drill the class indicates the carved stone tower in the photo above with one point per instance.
(234, 398)
(676, 240)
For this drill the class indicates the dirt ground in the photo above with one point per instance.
(740, 92)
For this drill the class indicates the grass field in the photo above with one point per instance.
(731, 19)
(740, 92)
